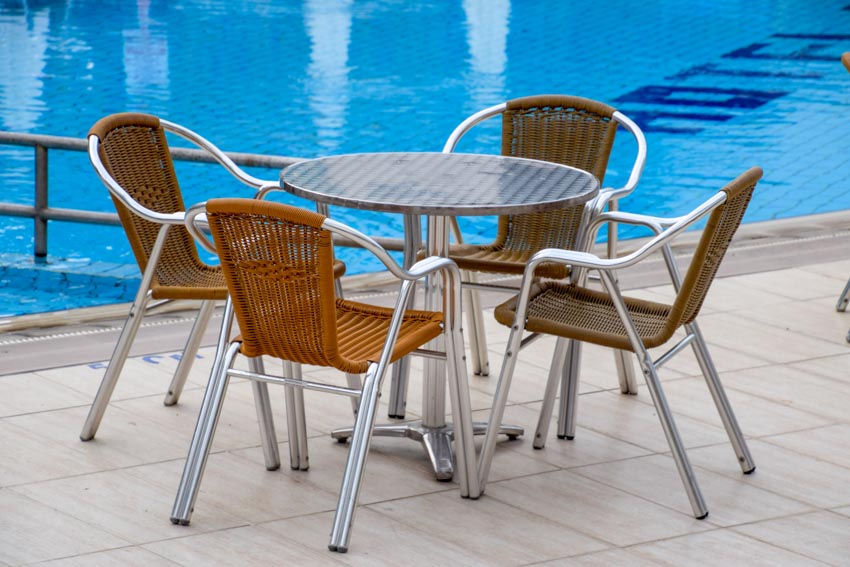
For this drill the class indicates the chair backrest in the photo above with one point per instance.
(134, 151)
(278, 266)
(716, 236)
(845, 59)
(569, 130)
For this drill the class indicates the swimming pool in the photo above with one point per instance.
(717, 86)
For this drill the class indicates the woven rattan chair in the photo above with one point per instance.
(572, 312)
(569, 130)
(277, 262)
(131, 156)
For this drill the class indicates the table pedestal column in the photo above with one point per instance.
(432, 430)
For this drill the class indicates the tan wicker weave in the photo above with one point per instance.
(568, 130)
(589, 315)
(135, 152)
(283, 295)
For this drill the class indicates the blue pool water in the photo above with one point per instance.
(717, 87)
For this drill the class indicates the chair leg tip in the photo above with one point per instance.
(751, 471)
(338, 548)
(703, 517)
(179, 522)
(567, 437)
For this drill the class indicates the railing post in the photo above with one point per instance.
(40, 228)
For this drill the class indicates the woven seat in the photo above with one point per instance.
(130, 154)
(589, 315)
(568, 130)
(278, 264)
(575, 314)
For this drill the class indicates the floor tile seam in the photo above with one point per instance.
(87, 554)
(767, 439)
(745, 393)
(128, 467)
(737, 476)
(264, 527)
(821, 342)
(736, 530)
(635, 548)
(707, 520)
(56, 510)
(170, 560)
(611, 545)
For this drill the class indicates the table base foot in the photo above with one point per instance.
(436, 440)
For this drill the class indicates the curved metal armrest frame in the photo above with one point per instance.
(589, 261)
(219, 155)
(173, 218)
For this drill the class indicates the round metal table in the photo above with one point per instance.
(439, 185)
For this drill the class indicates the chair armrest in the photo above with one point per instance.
(663, 238)
(121, 194)
(219, 155)
(195, 222)
(656, 224)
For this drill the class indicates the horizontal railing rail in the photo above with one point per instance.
(41, 212)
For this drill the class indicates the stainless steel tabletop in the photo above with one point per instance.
(439, 184)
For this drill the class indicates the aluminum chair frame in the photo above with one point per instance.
(368, 394)
(142, 300)
(608, 196)
(665, 230)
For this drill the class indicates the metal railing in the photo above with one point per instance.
(41, 212)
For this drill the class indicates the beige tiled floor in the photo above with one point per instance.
(610, 497)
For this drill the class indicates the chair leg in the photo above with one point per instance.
(556, 376)
(116, 364)
(625, 372)
(354, 382)
(357, 453)
(265, 417)
(300, 420)
(400, 374)
(202, 439)
(724, 408)
(843, 298)
(672, 433)
(464, 430)
(188, 357)
(475, 329)
(569, 392)
(500, 399)
(294, 419)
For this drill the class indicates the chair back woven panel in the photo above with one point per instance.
(567, 130)
(716, 236)
(278, 265)
(135, 152)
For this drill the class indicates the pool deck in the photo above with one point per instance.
(610, 497)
